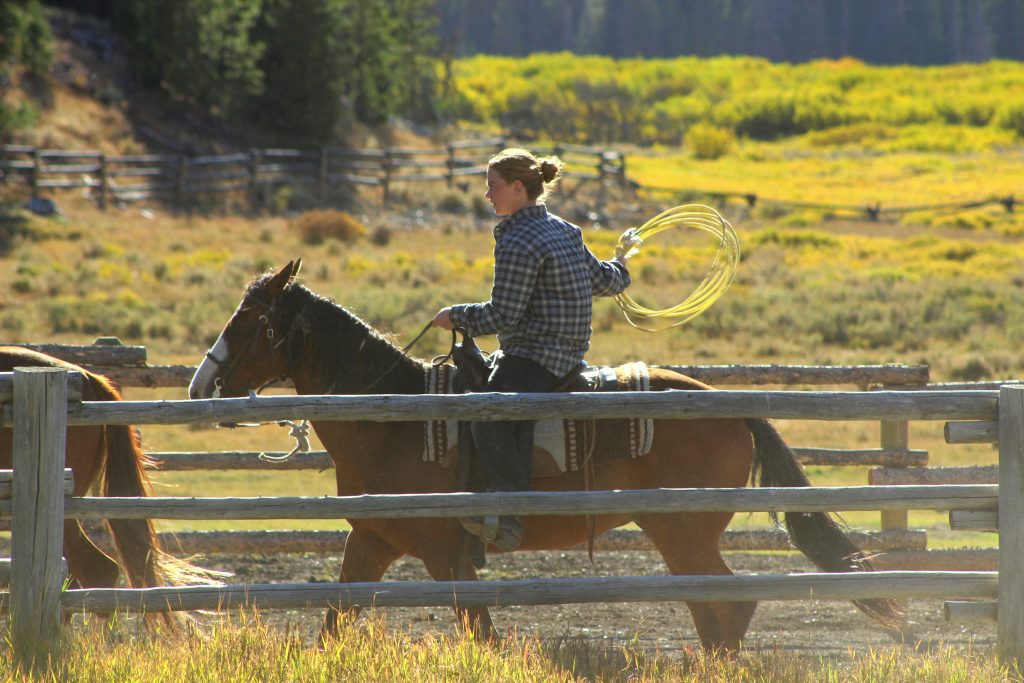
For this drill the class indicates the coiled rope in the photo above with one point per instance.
(718, 279)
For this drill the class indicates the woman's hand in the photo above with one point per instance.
(628, 246)
(443, 319)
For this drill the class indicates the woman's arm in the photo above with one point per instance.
(608, 278)
(515, 276)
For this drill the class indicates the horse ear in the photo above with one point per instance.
(296, 265)
(277, 283)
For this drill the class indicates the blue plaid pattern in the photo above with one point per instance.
(544, 281)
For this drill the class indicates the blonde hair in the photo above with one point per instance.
(538, 175)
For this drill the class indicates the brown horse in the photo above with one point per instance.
(283, 330)
(110, 454)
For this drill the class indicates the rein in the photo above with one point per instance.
(404, 355)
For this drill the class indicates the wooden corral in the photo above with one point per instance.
(894, 462)
(40, 406)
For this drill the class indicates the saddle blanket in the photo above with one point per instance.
(563, 444)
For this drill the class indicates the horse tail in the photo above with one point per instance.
(815, 534)
(123, 474)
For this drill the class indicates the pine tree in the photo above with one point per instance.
(303, 85)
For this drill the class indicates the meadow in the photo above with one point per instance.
(815, 286)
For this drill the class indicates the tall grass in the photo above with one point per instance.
(246, 649)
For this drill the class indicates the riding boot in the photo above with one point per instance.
(504, 449)
(500, 454)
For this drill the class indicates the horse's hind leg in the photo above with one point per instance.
(476, 619)
(89, 566)
(689, 545)
(367, 557)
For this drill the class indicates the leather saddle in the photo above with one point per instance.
(474, 368)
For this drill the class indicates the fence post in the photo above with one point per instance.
(37, 168)
(103, 181)
(179, 189)
(322, 184)
(254, 173)
(37, 517)
(1010, 610)
(450, 163)
(386, 181)
(895, 435)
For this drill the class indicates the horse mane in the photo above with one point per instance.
(344, 350)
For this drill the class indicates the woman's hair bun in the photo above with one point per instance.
(550, 169)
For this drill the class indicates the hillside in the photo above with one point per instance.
(91, 101)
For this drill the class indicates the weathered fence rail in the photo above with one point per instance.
(673, 404)
(175, 177)
(41, 407)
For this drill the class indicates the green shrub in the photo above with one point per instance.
(859, 134)
(794, 239)
(452, 202)
(762, 117)
(974, 370)
(320, 225)
(709, 142)
(481, 207)
(381, 236)
(1011, 117)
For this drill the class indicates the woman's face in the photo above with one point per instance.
(505, 197)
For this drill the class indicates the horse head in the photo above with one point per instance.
(248, 354)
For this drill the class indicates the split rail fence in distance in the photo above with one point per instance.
(176, 177)
(42, 408)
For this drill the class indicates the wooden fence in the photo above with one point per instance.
(176, 177)
(42, 409)
(899, 546)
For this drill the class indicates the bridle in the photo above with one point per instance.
(299, 431)
(266, 329)
(227, 369)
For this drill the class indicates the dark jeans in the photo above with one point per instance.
(505, 449)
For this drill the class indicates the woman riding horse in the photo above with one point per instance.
(281, 329)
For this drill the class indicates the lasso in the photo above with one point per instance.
(715, 283)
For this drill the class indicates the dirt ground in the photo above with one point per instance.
(826, 628)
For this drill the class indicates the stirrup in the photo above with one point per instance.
(490, 530)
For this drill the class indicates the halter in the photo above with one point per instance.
(264, 320)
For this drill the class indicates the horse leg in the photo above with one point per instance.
(476, 619)
(721, 626)
(367, 557)
(88, 566)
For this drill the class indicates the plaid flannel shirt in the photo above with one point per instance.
(544, 281)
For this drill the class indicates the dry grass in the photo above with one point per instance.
(243, 648)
